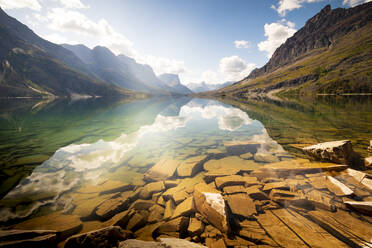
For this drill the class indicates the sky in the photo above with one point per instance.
(214, 41)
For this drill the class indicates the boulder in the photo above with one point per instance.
(241, 204)
(211, 205)
(196, 227)
(150, 189)
(335, 151)
(105, 237)
(265, 158)
(27, 238)
(235, 180)
(65, 225)
(162, 170)
(185, 208)
(191, 166)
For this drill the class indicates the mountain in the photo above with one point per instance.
(33, 67)
(173, 81)
(203, 87)
(121, 70)
(331, 54)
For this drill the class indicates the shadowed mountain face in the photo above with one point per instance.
(32, 67)
(123, 71)
(332, 53)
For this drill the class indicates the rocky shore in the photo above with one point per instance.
(245, 200)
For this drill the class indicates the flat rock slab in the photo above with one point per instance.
(337, 188)
(241, 204)
(65, 225)
(106, 187)
(185, 208)
(363, 207)
(162, 170)
(27, 238)
(191, 166)
(309, 232)
(164, 243)
(231, 162)
(343, 226)
(235, 180)
(279, 231)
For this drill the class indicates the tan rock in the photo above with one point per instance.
(241, 204)
(265, 158)
(255, 192)
(251, 230)
(284, 196)
(162, 170)
(210, 204)
(176, 225)
(122, 218)
(65, 225)
(318, 182)
(210, 176)
(106, 187)
(26, 238)
(110, 207)
(147, 232)
(367, 183)
(234, 189)
(150, 189)
(191, 166)
(368, 162)
(156, 214)
(231, 162)
(142, 204)
(276, 185)
(218, 244)
(337, 188)
(169, 209)
(320, 200)
(179, 196)
(237, 147)
(185, 208)
(85, 206)
(196, 227)
(138, 220)
(235, 180)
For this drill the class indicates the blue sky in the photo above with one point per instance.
(201, 40)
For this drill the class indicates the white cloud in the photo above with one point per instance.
(74, 21)
(277, 33)
(235, 68)
(210, 77)
(73, 4)
(58, 39)
(288, 5)
(20, 4)
(354, 3)
(242, 44)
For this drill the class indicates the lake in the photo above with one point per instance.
(67, 158)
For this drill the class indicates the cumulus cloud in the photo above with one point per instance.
(235, 68)
(242, 44)
(353, 3)
(61, 19)
(73, 4)
(20, 4)
(58, 39)
(210, 77)
(285, 6)
(277, 33)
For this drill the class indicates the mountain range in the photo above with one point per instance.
(203, 86)
(33, 67)
(331, 54)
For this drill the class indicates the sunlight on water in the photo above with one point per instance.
(199, 127)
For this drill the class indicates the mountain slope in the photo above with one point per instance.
(121, 70)
(173, 81)
(27, 69)
(331, 54)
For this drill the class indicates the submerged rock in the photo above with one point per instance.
(164, 243)
(162, 170)
(185, 208)
(105, 237)
(211, 205)
(196, 227)
(27, 238)
(363, 207)
(241, 204)
(191, 166)
(265, 158)
(65, 225)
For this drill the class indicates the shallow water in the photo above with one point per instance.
(59, 155)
